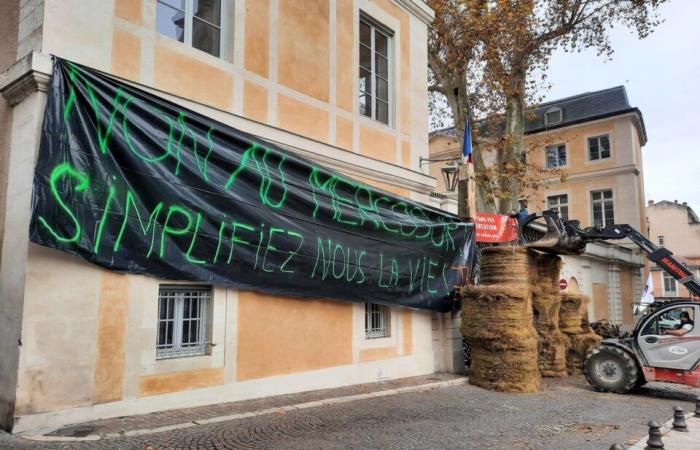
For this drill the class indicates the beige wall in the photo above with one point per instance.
(621, 173)
(671, 220)
(289, 74)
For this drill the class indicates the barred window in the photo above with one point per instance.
(375, 63)
(197, 23)
(560, 204)
(603, 211)
(599, 147)
(182, 321)
(376, 321)
(661, 241)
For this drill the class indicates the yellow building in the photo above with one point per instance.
(675, 226)
(342, 82)
(591, 145)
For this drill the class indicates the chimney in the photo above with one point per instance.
(650, 203)
(675, 201)
(685, 203)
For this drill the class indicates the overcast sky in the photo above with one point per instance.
(662, 76)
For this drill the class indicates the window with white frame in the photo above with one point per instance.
(556, 155)
(182, 321)
(375, 62)
(552, 116)
(670, 285)
(661, 240)
(197, 23)
(560, 204)
(376, 321)
(599, 147)
(603, 211)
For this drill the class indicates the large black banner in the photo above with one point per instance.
(135, 183)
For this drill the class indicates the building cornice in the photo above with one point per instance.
(30, 74)
(420, 9)
(595, 174)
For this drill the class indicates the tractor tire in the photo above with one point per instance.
(611, 369)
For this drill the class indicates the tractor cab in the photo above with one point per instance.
(655, 352)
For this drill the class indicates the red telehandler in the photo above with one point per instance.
(651, 353)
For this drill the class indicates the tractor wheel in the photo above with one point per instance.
(611, 369)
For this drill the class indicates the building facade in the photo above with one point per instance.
(586, 151)
(342, 82)
(675, 226)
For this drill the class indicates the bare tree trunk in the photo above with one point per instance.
(512, 147)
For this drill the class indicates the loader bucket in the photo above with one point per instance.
(548, 233)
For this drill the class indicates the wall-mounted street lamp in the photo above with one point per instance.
(449, 171)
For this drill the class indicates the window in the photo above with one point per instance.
(661, 241)
(376, 321)
(182, 320)
(599, 147)
(670, 285)
(603, 213)
(375, 46)
(197, 23)
(556, 156)
(552, 116)
(560, 204)
(668, 320)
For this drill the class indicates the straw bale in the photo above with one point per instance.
(488, 310)
(579, 345)
(506, 266)
(546, 273)
(552, 352)
(506, 371)
(545, 308)
(570, 313)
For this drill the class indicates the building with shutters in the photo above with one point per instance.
(342, 82)
(595, 141)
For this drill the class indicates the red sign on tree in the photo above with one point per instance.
(496, 228)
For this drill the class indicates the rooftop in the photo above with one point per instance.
(576, 109)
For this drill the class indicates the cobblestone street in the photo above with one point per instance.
(567, 414)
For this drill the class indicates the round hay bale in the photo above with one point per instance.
(545, 310)
(570, 313)
(547, 273)
(505, 266)
(552, 355)
(506, 371)
(579, 345)
(490, 311)
(517, 341)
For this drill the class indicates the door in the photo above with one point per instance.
(668, 351)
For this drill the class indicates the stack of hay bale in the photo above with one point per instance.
(546, 303)
(497, 323)
(573, 321)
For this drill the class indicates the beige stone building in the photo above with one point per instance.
(595, 140)
(675, 226)
(342, 82)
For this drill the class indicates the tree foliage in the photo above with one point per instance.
(490, 58)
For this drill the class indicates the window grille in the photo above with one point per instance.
(182, 321)
(603, 211)
(376, 321)
(197, 23)
(375, 60)
(560, 204)
(556, 156)
(661, 241)
(599, 147)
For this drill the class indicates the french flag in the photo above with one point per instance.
(467, 143)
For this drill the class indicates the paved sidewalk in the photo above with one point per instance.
(175, 419)
(567, 414)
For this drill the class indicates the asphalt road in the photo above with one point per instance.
(567, 414)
